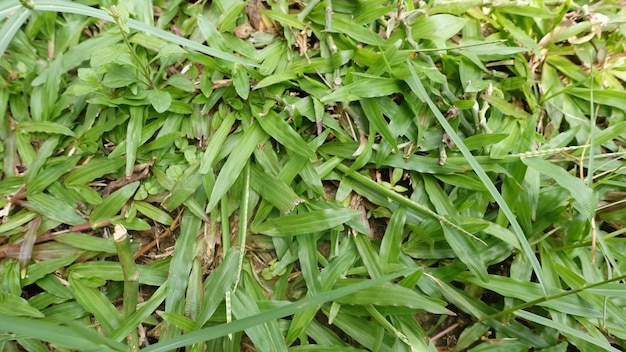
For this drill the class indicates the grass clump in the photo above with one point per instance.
(314, 176)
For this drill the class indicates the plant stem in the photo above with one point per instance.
(131, 279)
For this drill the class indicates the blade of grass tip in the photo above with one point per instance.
(225, 224)
(564, 329)
(462, 246)
(305, 223)
(95, 302)
(307, 255)
(277, 313)
(15, 305)
(79, 9)
(418, 89)
(11, 26)
(215, 143)
(382, 320)
(236, 162)
(113, 203)
(370, 258)
(274, 190)
(392, 240)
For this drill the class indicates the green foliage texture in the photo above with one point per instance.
(312, 176)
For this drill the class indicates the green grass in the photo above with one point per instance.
(331, 175)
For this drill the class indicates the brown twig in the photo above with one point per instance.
(154, 242)
(11, 250)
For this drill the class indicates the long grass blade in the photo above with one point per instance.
(417, 88)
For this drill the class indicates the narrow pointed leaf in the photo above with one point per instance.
(112, 205)
(235, 163)
(54, 209)
(298, 224)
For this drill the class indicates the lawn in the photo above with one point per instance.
(342, 175)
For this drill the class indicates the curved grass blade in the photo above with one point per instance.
(75, 336)
(564, 329)
(578, 189)
(418, 89)
(277, 313)
(11, 26)
(79, 9)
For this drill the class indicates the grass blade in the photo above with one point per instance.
(564, 329)
(79, 9)
(277, 313)
(311, 222)
(578, 189)
(417, 88)
(74, 336)
(180, 268)
(235, 163)
(11, 26)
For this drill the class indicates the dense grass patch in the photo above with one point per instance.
(329, 175)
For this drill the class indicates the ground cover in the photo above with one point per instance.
(310, 176)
